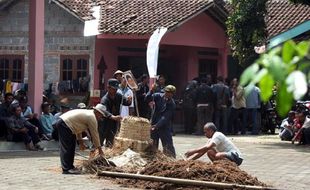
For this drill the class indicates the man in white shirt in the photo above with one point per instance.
(126, 92)
(218, 147)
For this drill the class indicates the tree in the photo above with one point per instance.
(246, 28)
(283, 68)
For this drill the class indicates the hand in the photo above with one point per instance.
(153, 128)
(100, 151)
(129, 98)
(151, 104)
(36, 129)
(35, 115)
(154, 86)
(116, 117)
(23, 130)
(188, 154)
(82, 145)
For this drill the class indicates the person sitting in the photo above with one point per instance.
(302, 127)
(286, 128)
(21, 129)
(47, 120)
(219, 147)
(5, 113)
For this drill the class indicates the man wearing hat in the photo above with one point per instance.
(162, 117)
(218, 147)
(112, 100)
(118, 75)
(70, 126)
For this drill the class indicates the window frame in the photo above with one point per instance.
(11, 58)
(74, 68)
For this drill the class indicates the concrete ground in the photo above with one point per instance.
(277, 163)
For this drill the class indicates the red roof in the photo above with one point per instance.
(284, 15)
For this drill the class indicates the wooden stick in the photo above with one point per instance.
(178, 181)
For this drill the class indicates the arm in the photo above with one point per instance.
(199, 151)
(239, 92)
(93, 130)
(167, 116)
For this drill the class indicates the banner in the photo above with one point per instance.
(152, 51)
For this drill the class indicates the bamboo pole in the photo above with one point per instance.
(178, 181)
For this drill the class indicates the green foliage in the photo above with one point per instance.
(305, 2)
(282, 68)
(246, 28)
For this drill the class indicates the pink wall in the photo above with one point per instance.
(201, 31)
(181, 44)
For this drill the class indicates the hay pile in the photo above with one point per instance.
(219, 171)
(134, 134)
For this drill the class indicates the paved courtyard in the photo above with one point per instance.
(281, 164)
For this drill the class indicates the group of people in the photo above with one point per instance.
(19, 123)
(101, 123)
(296, 127)
(204, 102)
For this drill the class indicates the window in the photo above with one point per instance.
(12, 67)
(207, 67)
(73, 67)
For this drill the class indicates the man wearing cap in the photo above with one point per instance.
(112, 100)
(218, 147)
(162, 117)
(118, 75)
(70, 126)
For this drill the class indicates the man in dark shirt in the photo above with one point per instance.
(21, 129)
(113, 101)
(161, 118)
(222, 95)
(205, 100)
(143, 88)
(5, 112)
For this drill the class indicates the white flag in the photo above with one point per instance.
(152, 51)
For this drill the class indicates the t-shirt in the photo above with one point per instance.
(126, 93)
(223, 144)
(80, 120)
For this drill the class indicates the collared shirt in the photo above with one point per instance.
(164, 109)
(80, 120)
(113, 105)
(47, 121)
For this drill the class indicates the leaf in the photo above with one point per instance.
(266, 84)
(248, 74)
(259, 75)
(248, 89)
(277, 69)
(288, 51)
(297, 84)
(303, 48)
(284, 100)
(304, 66)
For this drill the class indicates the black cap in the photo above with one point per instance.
(113, 83)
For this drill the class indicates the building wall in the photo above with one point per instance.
(200, 33)
(63, 36)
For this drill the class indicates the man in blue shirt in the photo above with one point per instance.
(161, 119)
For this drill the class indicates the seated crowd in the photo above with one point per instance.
(18, 123)
(296, 127)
